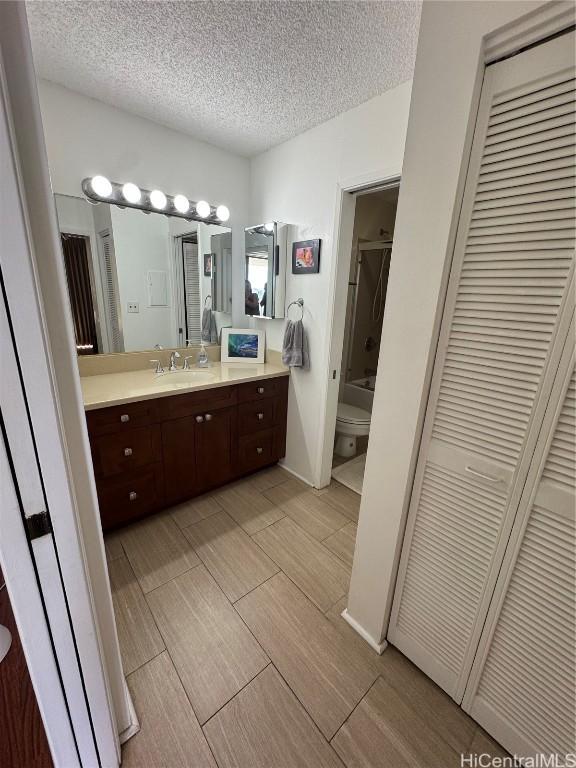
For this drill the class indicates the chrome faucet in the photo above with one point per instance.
(159, 368)
(173, 357)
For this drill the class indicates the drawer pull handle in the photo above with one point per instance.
(259, 451)
(199, 419)
(260, 390)
(260, 416)
(124, 418)
(127, 451)
(490, 478)
(132, 495)
(208, 417)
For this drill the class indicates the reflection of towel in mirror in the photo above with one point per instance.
(209, 332)
(295, 346)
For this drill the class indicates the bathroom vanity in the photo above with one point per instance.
(159, 440)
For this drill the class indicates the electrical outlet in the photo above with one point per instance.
(133, 306)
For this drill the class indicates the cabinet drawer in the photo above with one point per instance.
(178, 406)
(126, 499)
(117, 418)
(259, 389)
(257, 415)
(126, 450)
(256, 451)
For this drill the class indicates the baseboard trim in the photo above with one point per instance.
(378, 647)
(134, 726)
(291, 471)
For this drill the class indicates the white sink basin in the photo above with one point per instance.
(184, 378)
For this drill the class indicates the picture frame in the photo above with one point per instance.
(242, 345)
(306, 257)
(208, 262)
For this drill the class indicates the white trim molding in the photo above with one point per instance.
(378, 647)
(550, 19)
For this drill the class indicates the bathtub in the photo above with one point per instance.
(359, 392)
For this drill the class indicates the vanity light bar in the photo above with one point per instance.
(98, 189)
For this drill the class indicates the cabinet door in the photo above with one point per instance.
(215, 437)
(522, 684)
(498, 350)
(179, 452)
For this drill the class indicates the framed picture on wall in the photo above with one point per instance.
(242, 345)
(306, 257)
(208, 262)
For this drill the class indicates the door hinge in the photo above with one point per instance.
(38, 525)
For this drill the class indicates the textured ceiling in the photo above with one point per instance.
(242, 75)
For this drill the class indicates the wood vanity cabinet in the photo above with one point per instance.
(152, 454)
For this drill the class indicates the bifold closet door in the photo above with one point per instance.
(500, 343)
(523, 684)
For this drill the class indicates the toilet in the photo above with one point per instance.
(351, 422)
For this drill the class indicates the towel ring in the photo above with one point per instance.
(296, 303)
(206, 299)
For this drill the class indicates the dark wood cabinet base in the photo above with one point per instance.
(153, 454)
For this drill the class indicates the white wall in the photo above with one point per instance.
(85, 137)
(297, 183)
(444, 98)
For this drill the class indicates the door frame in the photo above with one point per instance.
(347, 192)
(72, 572)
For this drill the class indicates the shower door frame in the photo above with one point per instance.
(372, 245)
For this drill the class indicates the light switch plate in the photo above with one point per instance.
(133, 306)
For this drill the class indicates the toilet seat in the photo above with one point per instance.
(350, 414)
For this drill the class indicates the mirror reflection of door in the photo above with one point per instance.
(192, 298)
(80, 291)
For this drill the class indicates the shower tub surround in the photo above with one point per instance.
(359, 392)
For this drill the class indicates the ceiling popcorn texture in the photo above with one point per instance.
(242, 75)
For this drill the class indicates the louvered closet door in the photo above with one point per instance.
(192, 292)
(523, 683)
(498, 349)
(108, 266)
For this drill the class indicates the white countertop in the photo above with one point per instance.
(118, 388)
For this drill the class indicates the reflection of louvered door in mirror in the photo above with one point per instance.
(192, 308)
(499, 346)
(523, 684)
(110, 286)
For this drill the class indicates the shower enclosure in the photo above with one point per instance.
(366, 300)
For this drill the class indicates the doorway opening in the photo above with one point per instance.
(368, 269)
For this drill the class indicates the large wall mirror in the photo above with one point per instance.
(138, 280)
(265, 270)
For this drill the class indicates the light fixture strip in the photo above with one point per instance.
(216, 215)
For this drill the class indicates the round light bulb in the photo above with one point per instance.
(101, 186)
(203, 209)
(131, 192)
(269, 227)
(158, 199)
(222, 213)
(181, 203)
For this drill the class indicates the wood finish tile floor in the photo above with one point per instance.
(228, 611)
